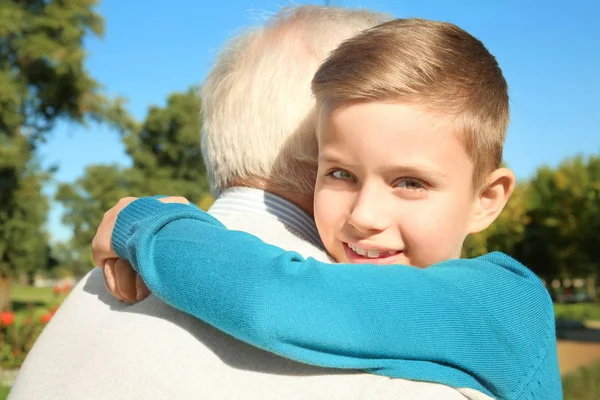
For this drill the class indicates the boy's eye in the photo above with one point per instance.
(410, 184)
(342, 175)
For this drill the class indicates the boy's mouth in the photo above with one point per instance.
(359, 254)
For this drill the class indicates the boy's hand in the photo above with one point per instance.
(123, 282)
(102, 243)
(120, 278)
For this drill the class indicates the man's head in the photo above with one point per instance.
(258, 109)
(412, 119)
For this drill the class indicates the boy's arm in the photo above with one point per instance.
(485, 323)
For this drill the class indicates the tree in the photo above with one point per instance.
(561, 239)
(27, 246)
(591, 214)
(165, 149)
(551, 223)
(166, 155)
(42, 80)
(86, 201)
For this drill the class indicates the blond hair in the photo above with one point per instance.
(257, 106)
(432, 65)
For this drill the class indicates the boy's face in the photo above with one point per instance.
(394, 186)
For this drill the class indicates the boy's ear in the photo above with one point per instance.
(492, 198)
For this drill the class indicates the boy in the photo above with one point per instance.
(412, 116)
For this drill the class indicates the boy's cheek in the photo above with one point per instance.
(430, 236)
(325, 211)
(328, 217)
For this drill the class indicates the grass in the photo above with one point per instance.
(578, 312)
(32, 294)
(583, 384)
(29, 299)
(4, 392)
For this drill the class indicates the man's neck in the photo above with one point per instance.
(303, 201)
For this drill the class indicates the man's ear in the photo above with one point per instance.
(492, 198)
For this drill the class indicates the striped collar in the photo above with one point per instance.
(239, 200)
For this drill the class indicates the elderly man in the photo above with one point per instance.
(258, 134)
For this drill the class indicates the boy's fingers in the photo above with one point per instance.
(174, 199)
(110, 280)
(142, 290)
(125, 277)
(102, 241)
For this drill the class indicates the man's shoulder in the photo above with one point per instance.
(93, 339)
(98, 348)
(273, 231)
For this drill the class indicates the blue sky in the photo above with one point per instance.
(549, 52)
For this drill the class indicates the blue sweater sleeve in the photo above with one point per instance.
(484, 323)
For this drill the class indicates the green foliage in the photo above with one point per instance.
(36, 296)
(4, 392)
(551, 223)
(165, 150)
(42, 63)
(562, 236)
(86, 201)
(17, 340)
(583, 384)
(42, 79)
(578, 312)
(33, 309)
(23, 245)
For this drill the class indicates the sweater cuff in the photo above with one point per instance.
(127, 218)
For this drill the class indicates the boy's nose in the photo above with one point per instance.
(368, 213)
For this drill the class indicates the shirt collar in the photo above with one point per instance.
(239, 200)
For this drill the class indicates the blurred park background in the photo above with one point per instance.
(99, 101)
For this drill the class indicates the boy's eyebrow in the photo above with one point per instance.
(330, 157)
(337, 160)
(417, 169)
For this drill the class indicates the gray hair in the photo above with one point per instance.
(258, 112)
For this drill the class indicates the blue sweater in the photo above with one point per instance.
(484, 323)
